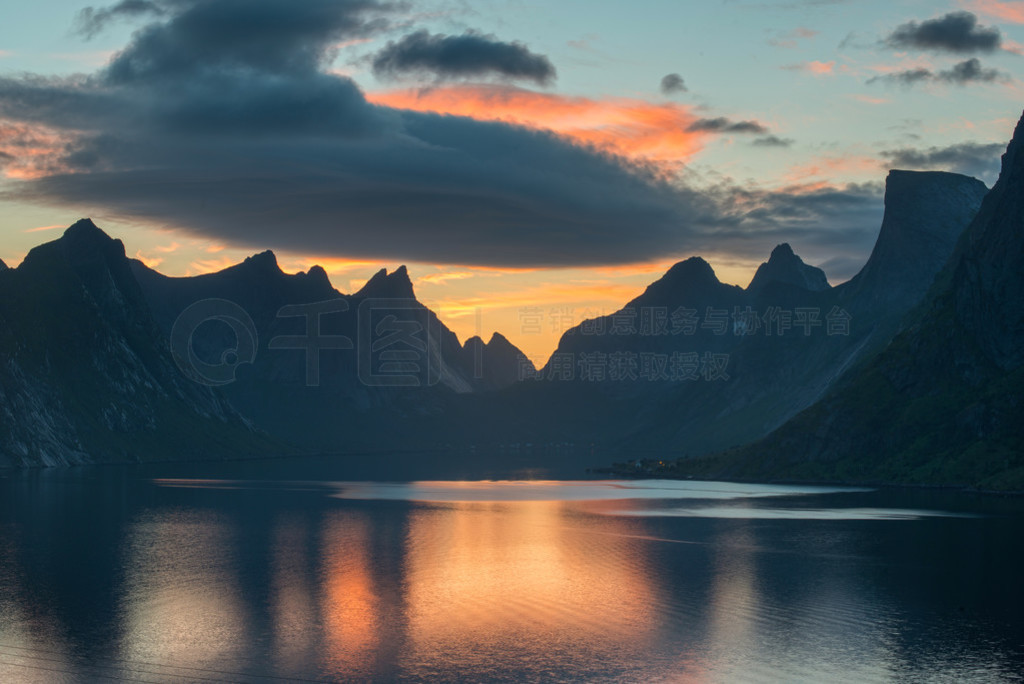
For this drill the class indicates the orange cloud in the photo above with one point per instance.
(906, 63)
(150, 262)
(814, 67)
(203, 266)
(441, 278)
(635, 129)
(850, 166)
(1007, 10)
(30, 151)
(1013, 46)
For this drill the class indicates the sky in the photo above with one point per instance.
(526, 160)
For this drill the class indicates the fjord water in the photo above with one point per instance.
(235, 572)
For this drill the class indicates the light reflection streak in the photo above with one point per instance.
(502, 580)
(181, 604)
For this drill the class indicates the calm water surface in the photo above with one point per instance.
(239, 573)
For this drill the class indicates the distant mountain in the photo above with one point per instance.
(3, 266)
(105, 359)
(388, 285)
(86, 374)
(694, 365)
(944, 403)
(495, 364)
(783, 266)
(324, 393)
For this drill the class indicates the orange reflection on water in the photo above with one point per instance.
(493, 582)
(350, 605)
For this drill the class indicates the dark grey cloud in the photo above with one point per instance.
(970, 71)
(908, 77)
(91, 20)
(723, 125)
(837, 224)
(470, 55)
(956, 32)
(772, 141)
(960, 74)
(231, 37)
(980, 160)
(672, 84)
(220, 117)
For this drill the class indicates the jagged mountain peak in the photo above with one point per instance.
(266, 260)
(318, 275)
(394, 285)
(82, 227)
(689, 281)
(474, 342)
(83, 234)
(785, 266)
(694, 267)
(499, 339)
(83, 245)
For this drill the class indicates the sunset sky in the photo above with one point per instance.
(587, 147)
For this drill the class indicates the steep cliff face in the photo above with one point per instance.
(944, 403)
(987, 281)
(86, 374)
(774, 367)
(925, 215)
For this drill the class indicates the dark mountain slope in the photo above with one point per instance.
(944, 403)
(86, 374)
(330, 399)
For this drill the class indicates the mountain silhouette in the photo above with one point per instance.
(330, 405)
(88, 375)
(773, 368)
(918, 355)
(395, 285)
(783, 266)
(942, 404)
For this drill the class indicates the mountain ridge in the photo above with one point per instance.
(943, 403)
(86, 373)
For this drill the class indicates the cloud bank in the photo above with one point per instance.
(224, 118)
(960, 74)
